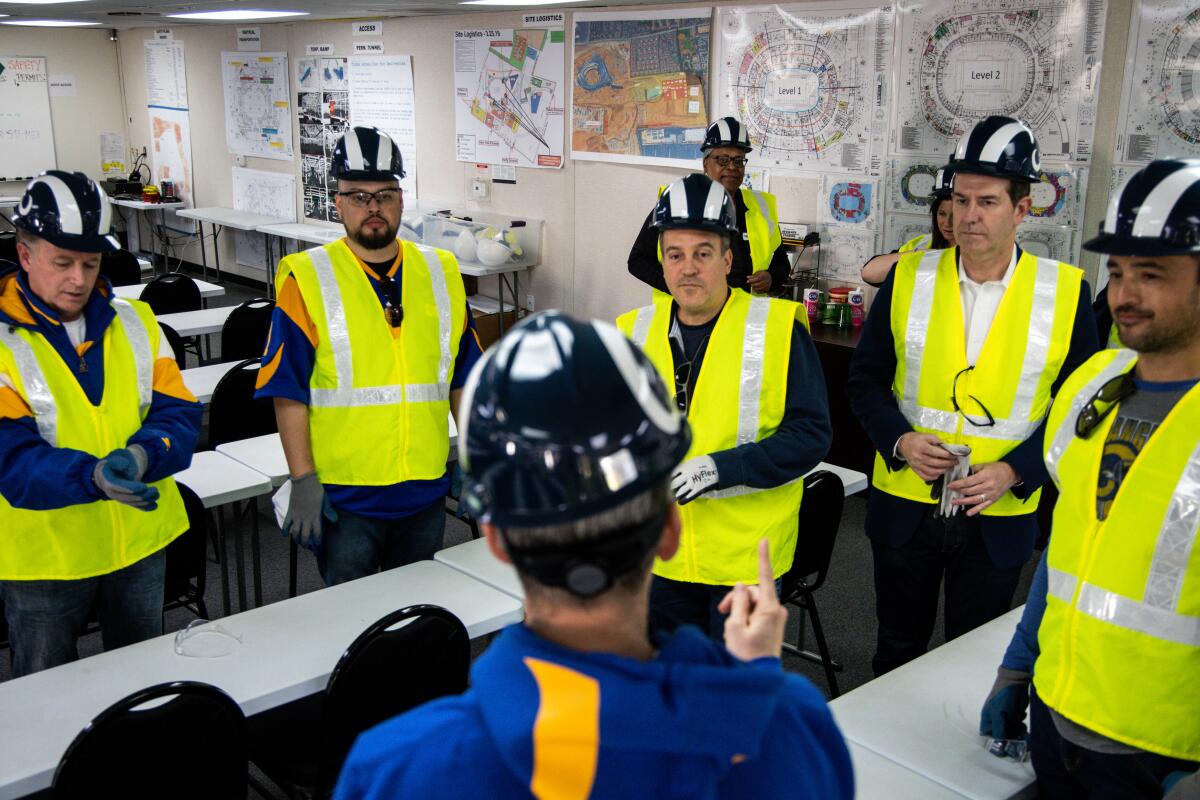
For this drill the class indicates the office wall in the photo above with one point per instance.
(592, 210)
(96, 106)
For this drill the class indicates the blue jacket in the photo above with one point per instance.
(893, 520)
(36, 475)
(692, 723)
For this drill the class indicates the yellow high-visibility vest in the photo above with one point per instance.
(1020, 360)
(762, 228)
(1120, 639)
(1114, 338)
(922, 242)
(740, 396)
(378, 404)
(89, 539)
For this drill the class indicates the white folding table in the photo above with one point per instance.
(287, 652)
(134, 291)
(299, 231)
(198, 323)
(924, 716)
(141, 206)
(202, 381)
(221, 217)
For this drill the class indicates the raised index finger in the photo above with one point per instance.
(766, 576)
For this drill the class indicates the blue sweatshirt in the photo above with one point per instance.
(36, 475)
(694, 722)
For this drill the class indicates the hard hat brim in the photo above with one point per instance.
(973, 168)
(80, 244)
(1112, 244)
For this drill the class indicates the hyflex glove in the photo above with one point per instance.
(693, 478)
(309, 504)
(119, 476)
(1003, 714)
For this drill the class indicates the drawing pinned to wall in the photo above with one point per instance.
(810, 84)
(844, 250)
(323, 107)
(1160, 105)
(900, 228)
(258, 118)
(848, 201)
(639, 86)
(171, 158)
(270, 193)
(911, 182)
(962, 60)
(1048, 241)
(509, 96)
(1057, 199)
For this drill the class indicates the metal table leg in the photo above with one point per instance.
(217, 249)
(203, 255)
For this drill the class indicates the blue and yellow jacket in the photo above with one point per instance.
(543, 721)
(36, 475)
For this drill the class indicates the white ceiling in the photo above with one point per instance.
(132, 14)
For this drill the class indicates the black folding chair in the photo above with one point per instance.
(820, 518)
(121, 268)
(193, 745)
(177, 344)
(233, 414)
(187, 561)
(405, 659)
(244, 334)
(170, 294)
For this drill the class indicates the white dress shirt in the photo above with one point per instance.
(980, 301)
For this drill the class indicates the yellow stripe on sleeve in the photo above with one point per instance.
(566, 732)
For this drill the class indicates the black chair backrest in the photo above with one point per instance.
(176, 342)
(233, 413)
(388, 670)
(193, 745)
(187, 558)
(820, 517)
(8, 247)
(170, 294)
(244, 334)
(121, 267)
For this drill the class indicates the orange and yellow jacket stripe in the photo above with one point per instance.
(1021, 357)
(378, 415)
(1120, 638)
(740, 397)
(90, 538)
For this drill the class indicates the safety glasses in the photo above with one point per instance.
(392, 307)
(1111, 394)
(988, 421)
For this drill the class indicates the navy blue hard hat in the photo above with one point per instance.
(943, 182)
(69, 210)
(726, 132)
(561, 420)
(1155, 213)
(366, 154)
(695, 202)
(1003, 147)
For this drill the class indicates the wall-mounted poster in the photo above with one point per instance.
(639, 86)
(810, 82)
(258, 116)
(323, 104)
(509, 96)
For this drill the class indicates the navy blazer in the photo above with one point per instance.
(893, 520)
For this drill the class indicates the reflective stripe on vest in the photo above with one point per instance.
(921, 242)
(346, 394)
(1066, 432)
(37, 390)
(1018, 425)
(139, 342)
(763, 230)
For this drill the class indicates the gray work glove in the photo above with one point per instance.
(1003, 715)
(693, 478)
(308, 505)
(119, 477)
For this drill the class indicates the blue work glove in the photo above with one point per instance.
(119, 477)
(309, 504)
(1181, 786)
(1004, 710)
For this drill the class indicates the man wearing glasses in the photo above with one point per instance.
(370, 344)
(1113, 616)
(746, 375)
(760, 263)
(964, 347)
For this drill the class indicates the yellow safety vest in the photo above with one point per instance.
(1020, 360)
(762, 228)
(377, 414)
(740, 396)
(922, 242)
(1120, 638)
(1114, 338)
(96, 538)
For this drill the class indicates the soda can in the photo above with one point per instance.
(812, 303)
(857, 301)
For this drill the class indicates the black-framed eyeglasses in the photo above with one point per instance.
(986, 423)
(736, 161)
(392, 307)
(1112, 393)
(385, 197)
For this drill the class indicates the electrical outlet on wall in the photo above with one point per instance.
(239, 160)
(479, 190)
(529, 302)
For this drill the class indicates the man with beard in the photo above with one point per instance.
(370, 345)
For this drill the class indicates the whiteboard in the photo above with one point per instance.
(26, 135)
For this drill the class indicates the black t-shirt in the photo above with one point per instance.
(688, 343)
